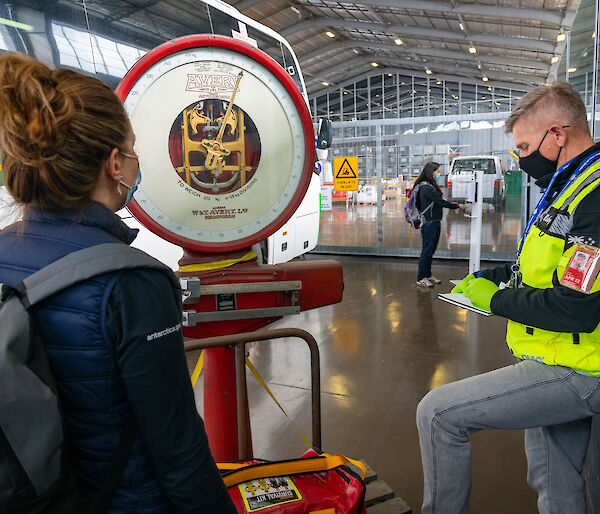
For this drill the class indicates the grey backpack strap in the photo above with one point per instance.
(427, 208)
(431, 204)
(81, 265)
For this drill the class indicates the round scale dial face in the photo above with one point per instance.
(222, 144)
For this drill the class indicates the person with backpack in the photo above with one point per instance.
(429, 203)
(113, 342)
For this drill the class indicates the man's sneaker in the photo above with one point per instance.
(424, 283)
(434, 280)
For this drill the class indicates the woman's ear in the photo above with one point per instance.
(112, 166)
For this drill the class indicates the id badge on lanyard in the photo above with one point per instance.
(583, 268)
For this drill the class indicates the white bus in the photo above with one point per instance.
(300, 234)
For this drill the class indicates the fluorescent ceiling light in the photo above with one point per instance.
(472, 50)
(484, 78)
(398, 41)
(572, 70)
(560, 37)
(325, 83)
(374, 64)
(554, 59)
(428, 71)
(330, 34)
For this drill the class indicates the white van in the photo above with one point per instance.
(461, 173)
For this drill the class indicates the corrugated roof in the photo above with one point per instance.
(515, 40)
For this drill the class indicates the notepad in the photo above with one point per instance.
(461, 300)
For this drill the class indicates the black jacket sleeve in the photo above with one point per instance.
(498, 274)
(558, 308)
(145, 324)
(432, 195)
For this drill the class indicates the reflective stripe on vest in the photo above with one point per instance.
(542, 255)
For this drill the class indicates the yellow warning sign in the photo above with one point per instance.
(345, 173)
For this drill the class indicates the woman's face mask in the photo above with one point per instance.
(132, 189)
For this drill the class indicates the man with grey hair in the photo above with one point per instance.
(554, 389)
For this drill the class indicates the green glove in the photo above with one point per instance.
(460, 287)
(480, 292)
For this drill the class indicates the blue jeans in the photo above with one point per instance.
(430, 235)
(552, 403)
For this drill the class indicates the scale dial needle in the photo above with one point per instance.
(214, 147)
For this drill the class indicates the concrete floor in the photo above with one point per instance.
(382, 348)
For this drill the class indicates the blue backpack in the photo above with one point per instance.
(412, 214)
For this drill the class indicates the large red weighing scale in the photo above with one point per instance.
(227, 150)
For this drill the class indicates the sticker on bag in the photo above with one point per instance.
(266, 492)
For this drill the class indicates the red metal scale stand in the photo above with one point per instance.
(220, 403)
(250, 289)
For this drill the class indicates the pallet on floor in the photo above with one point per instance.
(380, 498)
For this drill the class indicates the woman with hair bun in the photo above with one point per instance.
(68, 159)
(430, 204)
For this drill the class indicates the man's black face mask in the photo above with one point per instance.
(538, 166)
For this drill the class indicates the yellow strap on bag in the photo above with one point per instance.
(248, 472)
(226, 466)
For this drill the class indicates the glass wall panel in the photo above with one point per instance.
(392, 153)
(352, 222)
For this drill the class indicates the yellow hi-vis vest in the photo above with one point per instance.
(541, 256)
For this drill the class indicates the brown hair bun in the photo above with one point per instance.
(34, 113)
(56, 129)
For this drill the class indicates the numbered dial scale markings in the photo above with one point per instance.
(223, 136)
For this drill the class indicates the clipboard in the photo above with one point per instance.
(460, 300)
